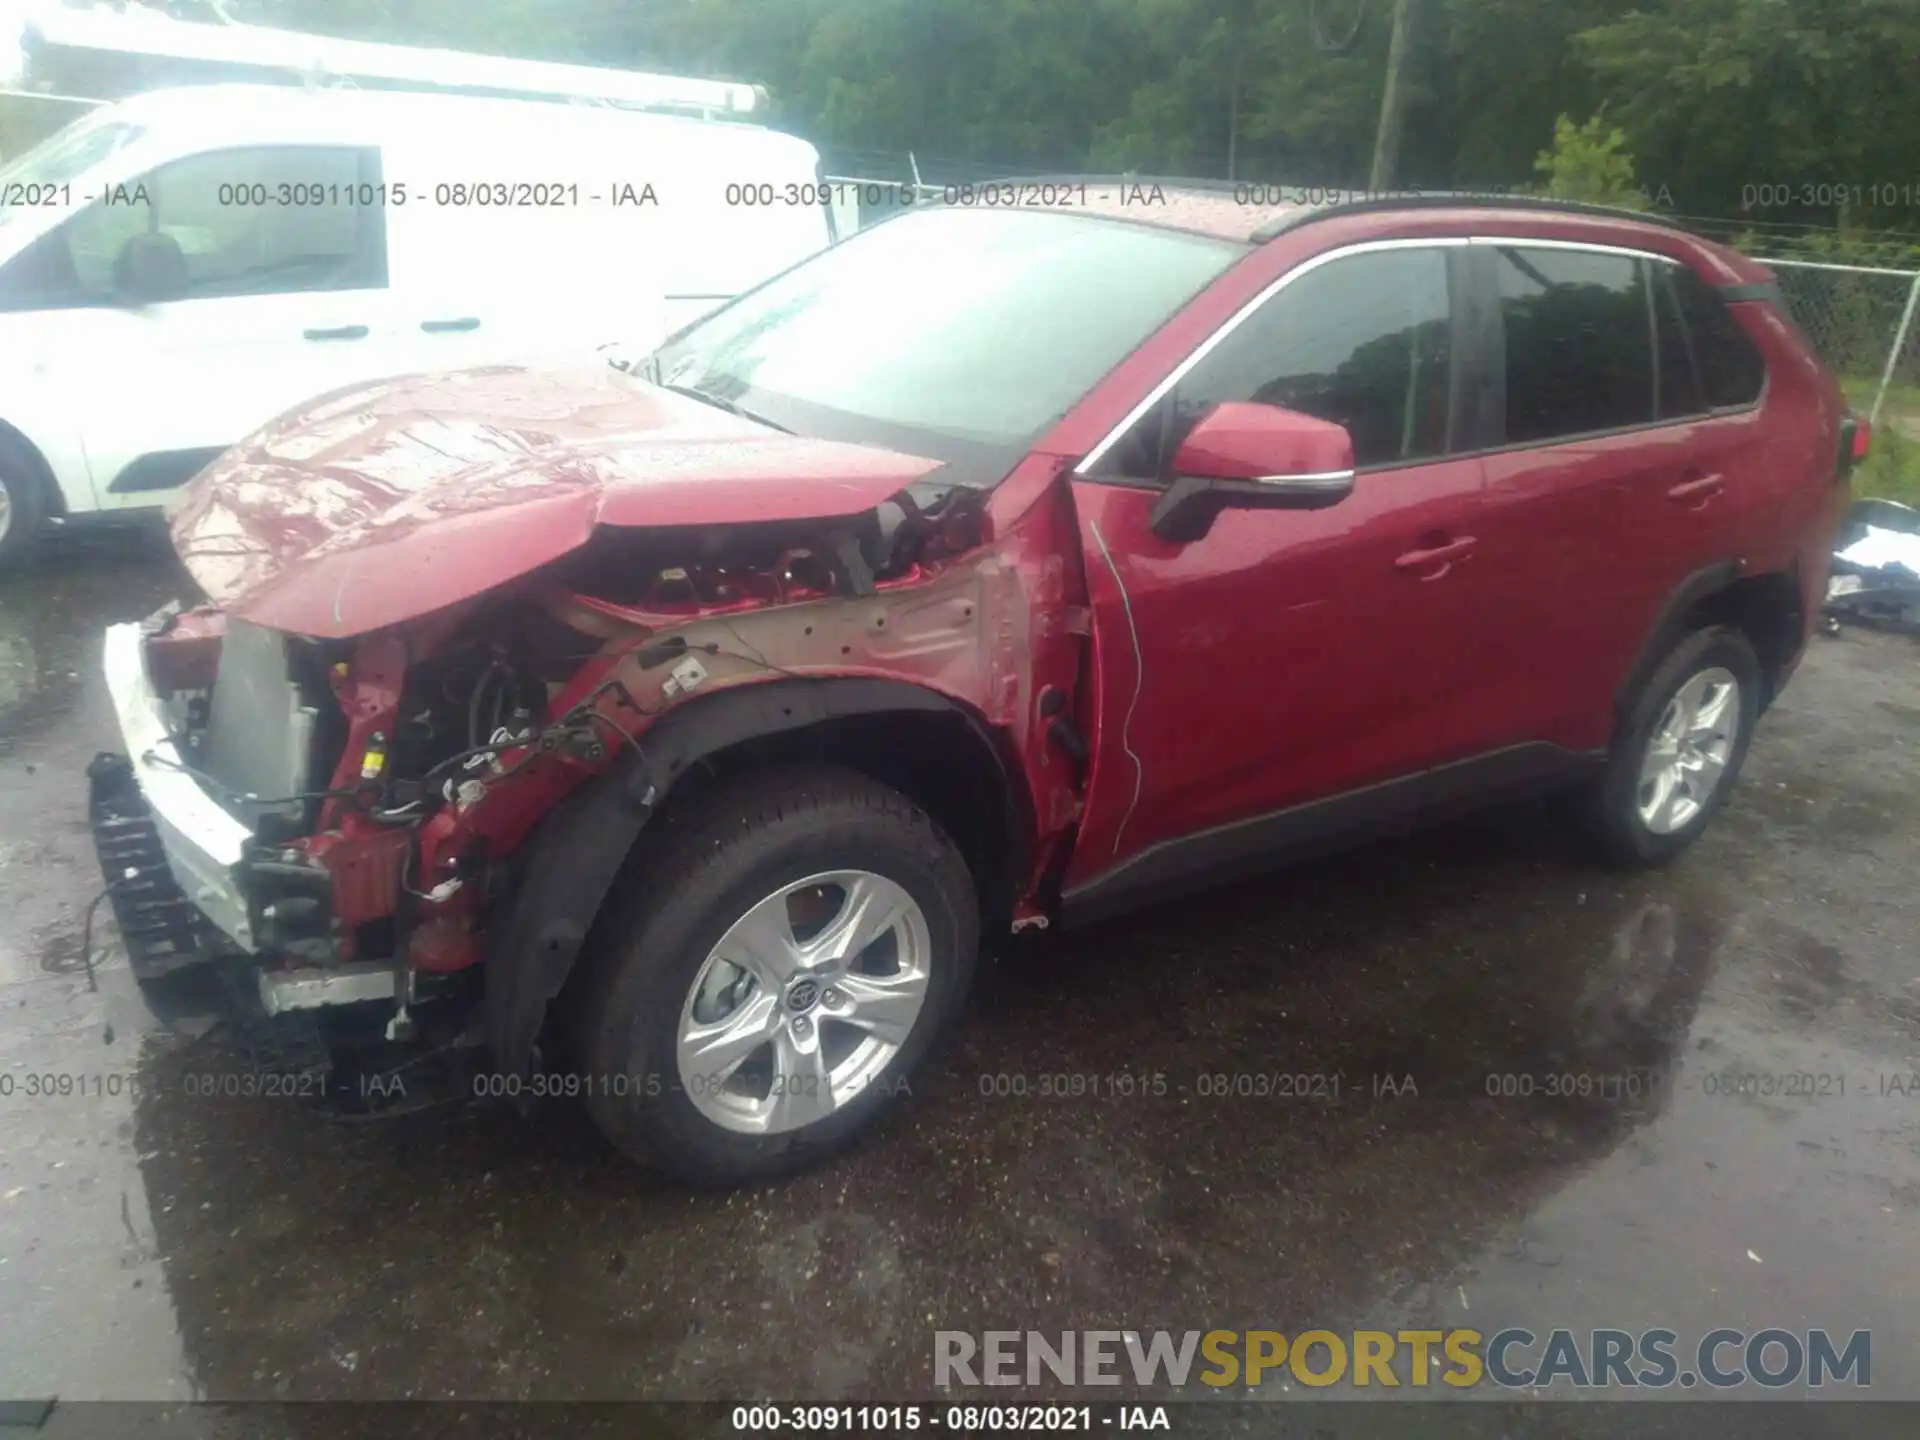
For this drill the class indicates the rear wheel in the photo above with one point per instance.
(803, 939)
(1680, 750)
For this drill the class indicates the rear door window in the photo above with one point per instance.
(1579, 342)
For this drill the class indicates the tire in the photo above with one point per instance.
(655, 977)
(23, 505)
(1624, 808)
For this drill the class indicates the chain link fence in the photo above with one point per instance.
(1862, 321)
(869, 186)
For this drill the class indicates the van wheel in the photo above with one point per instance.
(1676, 758)
(22, 506)
(806, 936)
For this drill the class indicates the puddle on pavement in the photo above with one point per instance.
(1268, 1106)
(412, 1244)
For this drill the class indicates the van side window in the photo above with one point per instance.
(259, 220)
(1731, 370)
(1364, 341)
(1579, 342)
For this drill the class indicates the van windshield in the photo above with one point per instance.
(957, 334)
(33, 180)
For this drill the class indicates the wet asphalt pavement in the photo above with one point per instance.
(159, 1244)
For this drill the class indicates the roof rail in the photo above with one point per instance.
(1303, 214)
(256, 51)
(1184, 182)
(1456, 199)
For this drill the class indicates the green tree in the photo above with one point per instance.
(1720, 97)
(1588, 162)
(1500, 71)
(1706, 100)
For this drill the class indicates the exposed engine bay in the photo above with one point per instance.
(385, 780)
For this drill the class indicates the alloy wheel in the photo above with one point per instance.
(1686, 757)
(803, 1002)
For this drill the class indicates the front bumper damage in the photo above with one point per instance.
(162, 929)
(177, 862)
(415, 870)
(177, 867)
(165, 934)
(199, 841)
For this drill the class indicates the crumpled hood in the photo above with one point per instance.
(374, 505)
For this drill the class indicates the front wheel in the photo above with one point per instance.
(802, 940)
(1679, 750)
(22, 506)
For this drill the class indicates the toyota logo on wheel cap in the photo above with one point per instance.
(802, 995)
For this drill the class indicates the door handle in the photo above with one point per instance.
(340, 332)
(1441, 555)
(447, 327)
(1697, 491)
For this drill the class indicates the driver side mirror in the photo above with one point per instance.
(1244, 456)
(150, 268)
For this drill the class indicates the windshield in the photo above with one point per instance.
(32, 181)
(958, 334)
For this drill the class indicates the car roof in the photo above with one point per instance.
(265, 114)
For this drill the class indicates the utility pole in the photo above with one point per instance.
(1393, 102)
(1233, 113)
(1239, 27)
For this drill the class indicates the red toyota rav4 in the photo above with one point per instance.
(679, 734)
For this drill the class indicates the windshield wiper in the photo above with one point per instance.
(720, 402)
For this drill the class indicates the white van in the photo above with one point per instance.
(178, 268)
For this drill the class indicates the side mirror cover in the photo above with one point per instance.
(1247, 456)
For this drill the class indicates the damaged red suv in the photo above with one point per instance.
(675, 738)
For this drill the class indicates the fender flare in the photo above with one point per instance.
(1667, 627)
(570, 862)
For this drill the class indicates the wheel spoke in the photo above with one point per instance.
(802, 1084)
(1710, 719)
(1661, 757)
(1672, 723)
(1653, 809)
(1675, 804)
(1683, 708)
(1707, 769)
(709, 1054)
(874, 905)
(885, 1006)
(762, 943)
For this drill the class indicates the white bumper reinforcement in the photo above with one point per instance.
(202, 841)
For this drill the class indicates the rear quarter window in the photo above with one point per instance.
(1729, 364)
